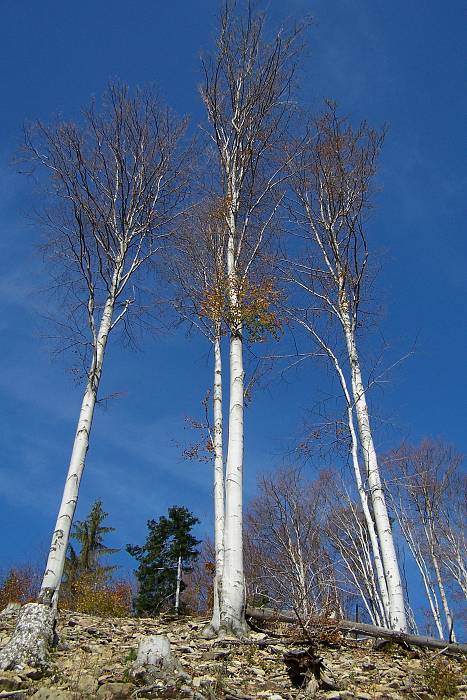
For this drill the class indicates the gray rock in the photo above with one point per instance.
(9, 681)
(368, 666)
(53, 694)
(87, 685)
(115, 691)
(29, 673)
(10, 609)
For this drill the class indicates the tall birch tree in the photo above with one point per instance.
(197, 269)
(246, 91)
(332, 193)
(116, 184)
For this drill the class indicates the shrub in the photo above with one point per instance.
(442, 678)
(19, 585)
(91, 595)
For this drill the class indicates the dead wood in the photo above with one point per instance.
(268, 615)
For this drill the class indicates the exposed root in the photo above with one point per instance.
(210, 632)
(233, 628)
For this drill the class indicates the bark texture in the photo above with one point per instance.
(154, 651)
(31, 639)
(233, 589)
(382, 595)
(233, 579)
(398, 618)
(219, 506)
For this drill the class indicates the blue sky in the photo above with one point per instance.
(398, 63)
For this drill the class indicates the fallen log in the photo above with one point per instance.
(269, 615)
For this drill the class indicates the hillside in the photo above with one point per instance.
(94, 659)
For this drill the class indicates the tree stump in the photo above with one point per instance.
(155, 651)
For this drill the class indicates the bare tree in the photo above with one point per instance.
(246, 92)
(452, 532)
(332, 187)
(347, 531)
(425, 485)
(116, 182)
(289, 563)
(198, 596)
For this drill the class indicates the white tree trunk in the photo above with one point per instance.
(233, 581)
(413, 542)
(214, 626)
(179, 582)
(431, 595)
(154, 652)
(383, 527)
(383, 598)
(381, 593)
(454, 556)
(34, 630)
(364, 594)
(444, 599)
(31, 639)
(303, 587)
(233, 587)
(57, 553)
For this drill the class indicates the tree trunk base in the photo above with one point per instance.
(33, 635)
(211, 631)
(233, 628)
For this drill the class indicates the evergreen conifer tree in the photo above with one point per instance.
(170, 549)
(89, 534)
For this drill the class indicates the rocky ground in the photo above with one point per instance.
(95, 658)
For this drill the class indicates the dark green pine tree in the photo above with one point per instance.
(89, 534)
(170, 549)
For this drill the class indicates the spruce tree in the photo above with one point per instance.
(170, 548)
(89, 534)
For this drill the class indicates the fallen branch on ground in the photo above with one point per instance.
(268, 615)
